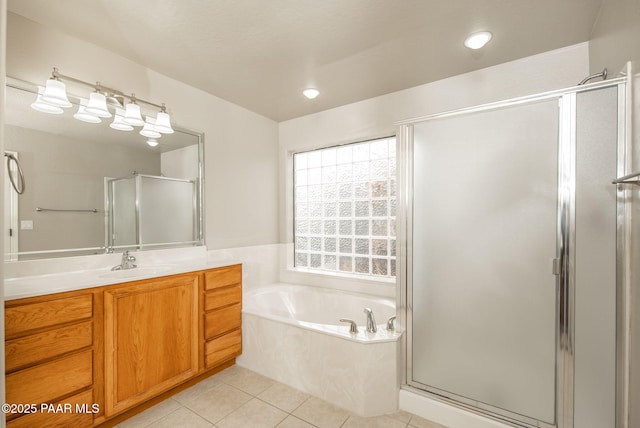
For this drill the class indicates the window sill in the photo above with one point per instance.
(384, 287)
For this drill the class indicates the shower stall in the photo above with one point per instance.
(513, 257)
(151, 211)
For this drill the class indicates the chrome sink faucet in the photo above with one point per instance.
(126, 263)
(371, 321)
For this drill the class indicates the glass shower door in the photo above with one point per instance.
(482, 296)
(166, 210)
(147, 210)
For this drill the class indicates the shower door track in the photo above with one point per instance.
(565, 274)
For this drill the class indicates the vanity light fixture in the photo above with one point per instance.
(83, 115)
(53, 98)
(132, 113)
(152, 142)
(55, 93)
(118, 121)
(478, 40)
(97, 105)
(311, 93)
(163, 122)
(149, 129)
(40, 105)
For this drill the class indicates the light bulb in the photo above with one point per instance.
(478, 40)
(311, 93)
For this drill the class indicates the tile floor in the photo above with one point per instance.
(237, 397)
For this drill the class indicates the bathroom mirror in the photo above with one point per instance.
(91, 189)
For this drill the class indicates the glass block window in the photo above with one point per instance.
(345, 208)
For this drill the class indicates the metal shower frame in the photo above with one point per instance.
(565, 253)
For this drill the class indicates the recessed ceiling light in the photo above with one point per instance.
(478, 40)
(311, 93)
(152, 142)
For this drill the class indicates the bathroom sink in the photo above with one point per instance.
(136, 272)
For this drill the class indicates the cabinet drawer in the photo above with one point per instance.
(222, 297)
(50, 381)
(223, 348)
(223, 277)
(30, 349)
(78, 417)
(222, 320)
(19, 319)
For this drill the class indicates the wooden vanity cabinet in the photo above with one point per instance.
(151, 339)
(222, 314)
(49, 358)
(120, 345)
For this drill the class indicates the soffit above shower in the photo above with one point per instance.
(262, 54)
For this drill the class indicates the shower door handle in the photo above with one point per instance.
(556, 267)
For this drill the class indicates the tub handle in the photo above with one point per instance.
(391, 323)
(353, 327)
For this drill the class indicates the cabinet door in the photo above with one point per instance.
(151, 339)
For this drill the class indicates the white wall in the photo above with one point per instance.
(180, 163)
(615, 38)
(240, 146)
(375, 117)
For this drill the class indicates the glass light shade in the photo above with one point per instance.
(55, 93)
(97, 105)
(43, 107)
(85, 116)
(118, 122)
(163, 123)
(478, 40)
(149, 129)
(152, 142)
(132, 115)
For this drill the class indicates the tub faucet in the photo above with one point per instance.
(371, 321)
(126, 263)
(353, 326)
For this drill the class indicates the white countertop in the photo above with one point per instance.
(148, 267)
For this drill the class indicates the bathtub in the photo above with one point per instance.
(291, 333)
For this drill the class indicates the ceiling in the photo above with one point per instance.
(261, 54)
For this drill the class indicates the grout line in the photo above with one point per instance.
(256, 396)
(199, 415)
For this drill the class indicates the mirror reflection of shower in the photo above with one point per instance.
(148, 211)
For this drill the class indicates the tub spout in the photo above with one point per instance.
(353, 328)
(371, 321)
